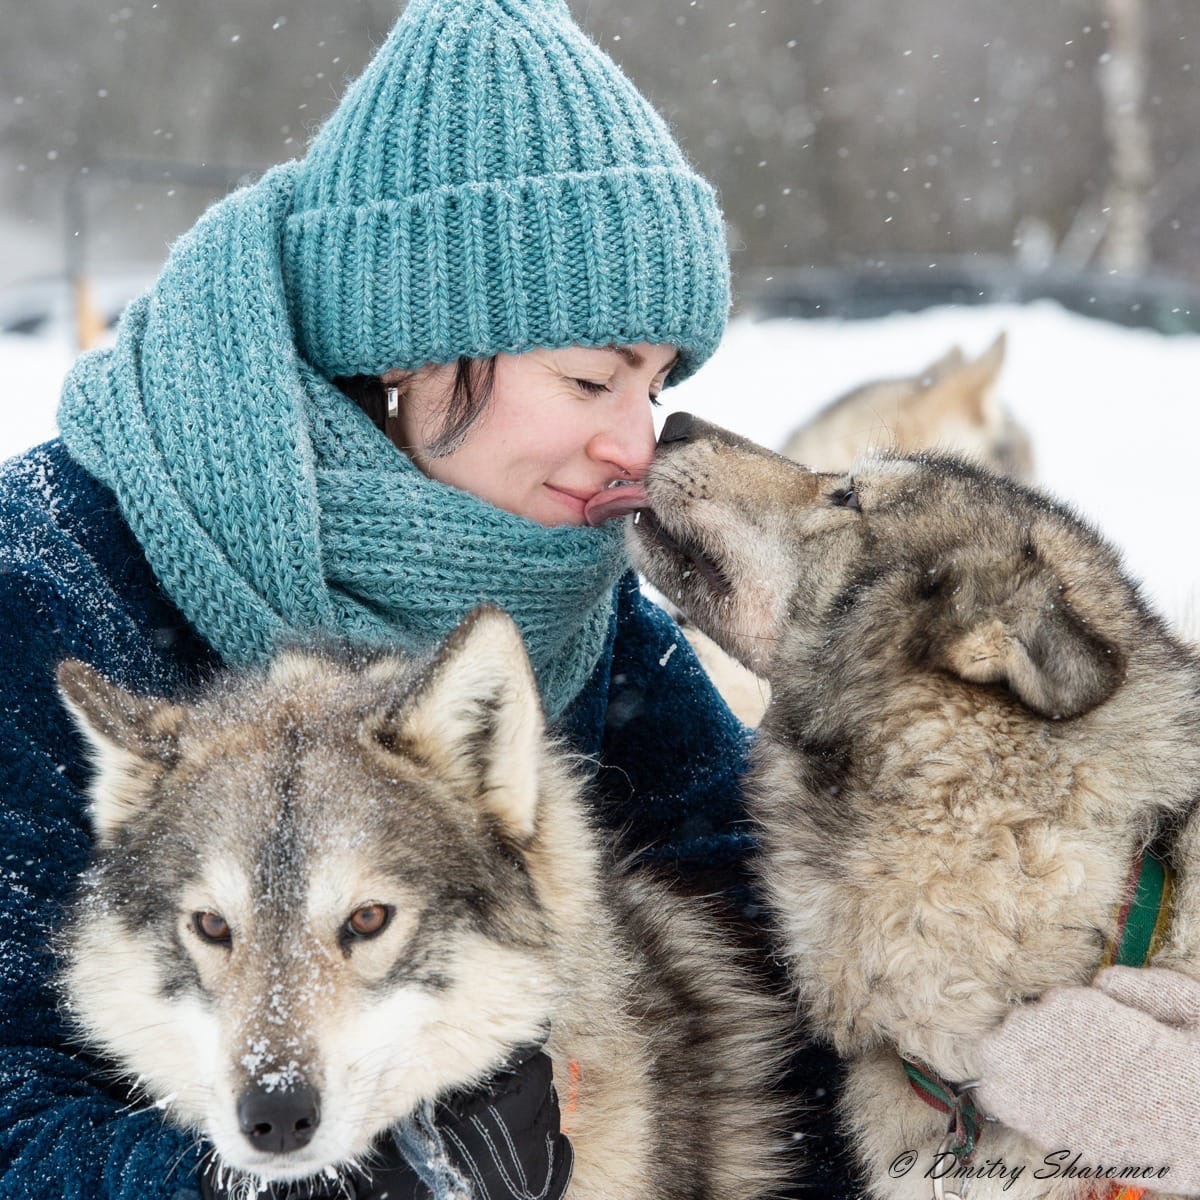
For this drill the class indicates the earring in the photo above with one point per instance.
(393, 402)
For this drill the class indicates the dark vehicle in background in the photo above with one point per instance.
(1157, 302)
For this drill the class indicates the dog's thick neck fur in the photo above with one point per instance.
(969, 813)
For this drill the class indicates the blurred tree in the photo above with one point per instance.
(1131, 170)
(838, 131)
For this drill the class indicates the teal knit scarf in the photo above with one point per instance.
(271, 509)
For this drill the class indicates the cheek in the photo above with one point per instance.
(505, 437)
(532, 433)
(506, 459)
(452, 469)
(512, 452)
(488, 471)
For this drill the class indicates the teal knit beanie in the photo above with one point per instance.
(493, 183)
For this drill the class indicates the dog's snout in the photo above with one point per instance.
(677, 428)
(682, 428)
(281, 1120)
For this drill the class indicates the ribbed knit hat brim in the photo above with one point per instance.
(589, 258)
(493, 182)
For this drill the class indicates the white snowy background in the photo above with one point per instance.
(1114, 412)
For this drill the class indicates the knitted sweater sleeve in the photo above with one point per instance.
(63, 1132)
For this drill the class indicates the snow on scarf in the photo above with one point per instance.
(270, 508)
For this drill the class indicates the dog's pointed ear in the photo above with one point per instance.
(476, 717)
(1047, 658)
(962, 389)
(951, 361)
(985, 371)
(992, 359)
(133, 739)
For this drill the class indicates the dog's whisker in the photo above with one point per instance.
(177, 1161)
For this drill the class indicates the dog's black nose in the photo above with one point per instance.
(281, 1120)
(677, 428)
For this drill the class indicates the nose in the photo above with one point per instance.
(677, 428)
(682, 427)
(626, 439)
(281, 1120)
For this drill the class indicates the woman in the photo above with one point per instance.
(497, 248)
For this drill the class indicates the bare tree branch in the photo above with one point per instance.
(1126, 245)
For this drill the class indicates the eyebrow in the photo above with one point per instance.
(636, 360)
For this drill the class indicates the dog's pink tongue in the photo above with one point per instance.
(614, 502)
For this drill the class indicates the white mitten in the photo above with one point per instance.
(1110, 1071)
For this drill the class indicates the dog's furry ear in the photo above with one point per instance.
(476, 717)
(1047, 658)
(133, 740)
(962, 388)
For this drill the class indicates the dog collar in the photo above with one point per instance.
(954, 1100)
(1142, 917)
(1143, 914)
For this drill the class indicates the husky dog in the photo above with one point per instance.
(340, 888)
(950, 406)
(976, 726)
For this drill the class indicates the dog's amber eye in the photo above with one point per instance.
(368, 921)
(212, 927)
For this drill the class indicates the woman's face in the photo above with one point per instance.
(560, 427)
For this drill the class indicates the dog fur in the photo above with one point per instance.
(289, 800)
(951, 406)
(976, 723)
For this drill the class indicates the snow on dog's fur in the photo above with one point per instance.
(358, 883)
(976, 724)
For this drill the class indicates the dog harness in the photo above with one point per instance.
(1142, 917)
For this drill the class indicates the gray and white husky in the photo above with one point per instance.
(350, 886)
(976, 725)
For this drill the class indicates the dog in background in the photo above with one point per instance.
(977, 726)
(952, 407)
(342, 887)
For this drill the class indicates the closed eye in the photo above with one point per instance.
(591, 386)
(846, 497)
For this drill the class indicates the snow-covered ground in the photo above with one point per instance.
(1114, 412)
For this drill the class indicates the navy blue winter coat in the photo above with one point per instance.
(74, 583)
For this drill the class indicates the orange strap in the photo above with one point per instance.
(571, 1106)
